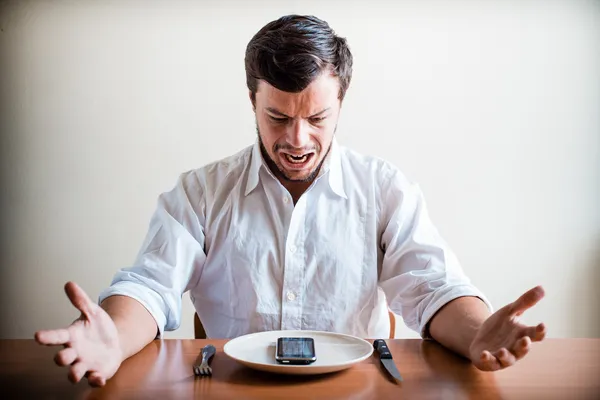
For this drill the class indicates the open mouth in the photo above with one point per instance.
(296, 161)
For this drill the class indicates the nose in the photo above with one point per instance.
(299, 134)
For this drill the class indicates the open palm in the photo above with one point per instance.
(502, 339)
(91, 343)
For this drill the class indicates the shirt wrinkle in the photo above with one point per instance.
(258, 262)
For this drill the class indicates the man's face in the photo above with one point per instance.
(296, 129)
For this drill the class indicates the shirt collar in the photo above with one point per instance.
(332, 164)
(256, 161)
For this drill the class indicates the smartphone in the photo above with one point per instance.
(295, 350)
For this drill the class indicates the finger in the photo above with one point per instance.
(96, 380)
(536, 333)
(521, 347)
(65, 356)
(489, 362)
(52, 337)
(79, 299)
(540, 332)
(527, 300)
(505, 357)
(77, 371)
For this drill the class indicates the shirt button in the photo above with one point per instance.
(285, 199)
(291, 296)
(293, 249)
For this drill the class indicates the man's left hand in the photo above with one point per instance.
(502, 339)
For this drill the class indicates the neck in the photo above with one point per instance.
(295, 188)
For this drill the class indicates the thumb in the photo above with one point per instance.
(527, 300)
(96, 380)
(79, 299)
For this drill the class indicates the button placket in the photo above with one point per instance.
(291, 310)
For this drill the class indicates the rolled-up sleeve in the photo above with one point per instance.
(419, 272)
(171, 257)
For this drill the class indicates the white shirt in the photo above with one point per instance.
(230, 234)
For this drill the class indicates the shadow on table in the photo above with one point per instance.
(248, 376)
(348, 384)
(451, 371)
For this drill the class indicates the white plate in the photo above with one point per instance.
(334, 351)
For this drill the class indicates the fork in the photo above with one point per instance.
(203, 368)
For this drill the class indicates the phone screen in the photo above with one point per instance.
(293, 347)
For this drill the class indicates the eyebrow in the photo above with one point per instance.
(280, 114)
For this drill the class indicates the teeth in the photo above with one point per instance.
(296, 159)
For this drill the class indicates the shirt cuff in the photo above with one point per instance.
(452, 293)
(145, 296)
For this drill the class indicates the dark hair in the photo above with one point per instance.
(291, 52)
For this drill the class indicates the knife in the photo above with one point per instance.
(386, 358)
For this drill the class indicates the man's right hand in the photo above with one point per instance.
(91, 343)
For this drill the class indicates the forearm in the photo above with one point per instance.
(456, 324)
(135, 324)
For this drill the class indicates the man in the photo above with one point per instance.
(295, 232)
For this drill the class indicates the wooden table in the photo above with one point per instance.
(555, 369)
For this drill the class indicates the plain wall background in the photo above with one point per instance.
(492, 107)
